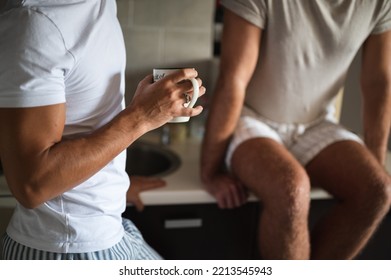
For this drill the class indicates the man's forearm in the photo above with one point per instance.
(61, 166)
(220, 125)
(377, 122)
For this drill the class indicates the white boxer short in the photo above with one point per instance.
(304, 141)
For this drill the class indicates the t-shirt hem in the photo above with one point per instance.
(382, 29)
(33, 101)
(245, 12)
(65, 247)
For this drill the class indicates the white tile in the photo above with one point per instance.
(182, 46)
(143, 47)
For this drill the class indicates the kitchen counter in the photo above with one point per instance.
(183, 186)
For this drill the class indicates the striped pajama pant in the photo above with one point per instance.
(131, 247)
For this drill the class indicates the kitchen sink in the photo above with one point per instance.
(148, 159)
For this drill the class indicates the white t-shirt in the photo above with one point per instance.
(306, 49)
(68, 51)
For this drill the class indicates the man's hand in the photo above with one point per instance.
(155, 103)
(140, 184)
(228, 191)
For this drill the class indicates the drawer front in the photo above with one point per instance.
(198, 231)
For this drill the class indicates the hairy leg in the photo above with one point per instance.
(361, 186)
(283, 187)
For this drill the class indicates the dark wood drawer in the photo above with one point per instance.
(199, 231)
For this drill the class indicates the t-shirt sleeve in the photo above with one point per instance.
(34, 60)
(253, 11)
(384, 21)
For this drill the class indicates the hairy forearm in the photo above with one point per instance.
(377, 119)
(65, 164)
(220, 125)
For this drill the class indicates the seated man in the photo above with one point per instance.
(271, 118)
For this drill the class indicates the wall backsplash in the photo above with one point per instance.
(164, 33)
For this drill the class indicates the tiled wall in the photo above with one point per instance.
(166, 33)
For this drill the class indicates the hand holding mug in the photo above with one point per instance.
(156, 103)
(189, 99)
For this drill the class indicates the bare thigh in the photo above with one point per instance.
(348, 171)
(269, 170)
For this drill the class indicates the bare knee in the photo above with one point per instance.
(290, 195)
(375, 197)
(382, 194)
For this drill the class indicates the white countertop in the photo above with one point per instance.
(183, 186)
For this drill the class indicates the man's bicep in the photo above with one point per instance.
(240, 47)
(376, 57)
(27, 133)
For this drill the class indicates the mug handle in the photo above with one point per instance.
(196, 92)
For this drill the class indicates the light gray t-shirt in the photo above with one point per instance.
(306, 49)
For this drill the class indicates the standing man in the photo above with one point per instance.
(271, 120)
(64, 129)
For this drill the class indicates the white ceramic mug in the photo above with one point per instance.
(159, 73)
